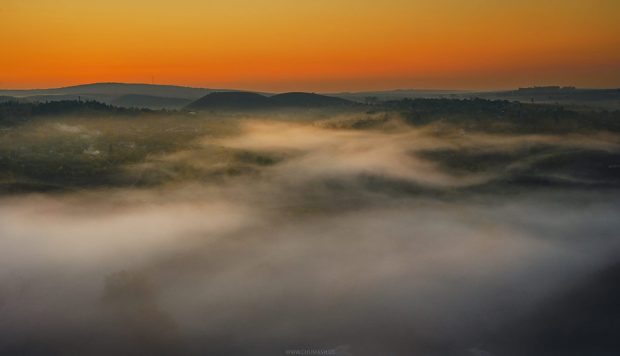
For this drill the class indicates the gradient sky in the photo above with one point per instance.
(318, 45)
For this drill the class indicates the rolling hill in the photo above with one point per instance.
(116, 89)
(231, 100)
(299, 99)
(247, 101)
(125, 94)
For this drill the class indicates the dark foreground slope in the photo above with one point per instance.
(582, 321)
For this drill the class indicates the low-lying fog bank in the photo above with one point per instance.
(275, 237)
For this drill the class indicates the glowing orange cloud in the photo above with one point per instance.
(315, 45)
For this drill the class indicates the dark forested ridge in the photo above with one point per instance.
(473, 114)
(15, 112)
(596, 98)
(503, 115)
(149, 102)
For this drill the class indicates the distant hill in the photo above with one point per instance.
(299, 99)
(599, 98)
(150, 102)
(115, 93)
(116, 89)
(246, 101)
(231, 100)
(398, 94)
(565, 96)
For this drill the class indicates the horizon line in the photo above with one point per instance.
(301, 90)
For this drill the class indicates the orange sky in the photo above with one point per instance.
(318, 45)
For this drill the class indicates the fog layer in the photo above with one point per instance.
(284, 235)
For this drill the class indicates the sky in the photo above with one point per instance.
(314, 45)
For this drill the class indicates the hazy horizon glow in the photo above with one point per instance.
(318, 45)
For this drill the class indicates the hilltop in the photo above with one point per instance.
(124, 94)
(247, 100)
(115, 89)
(231, 100)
